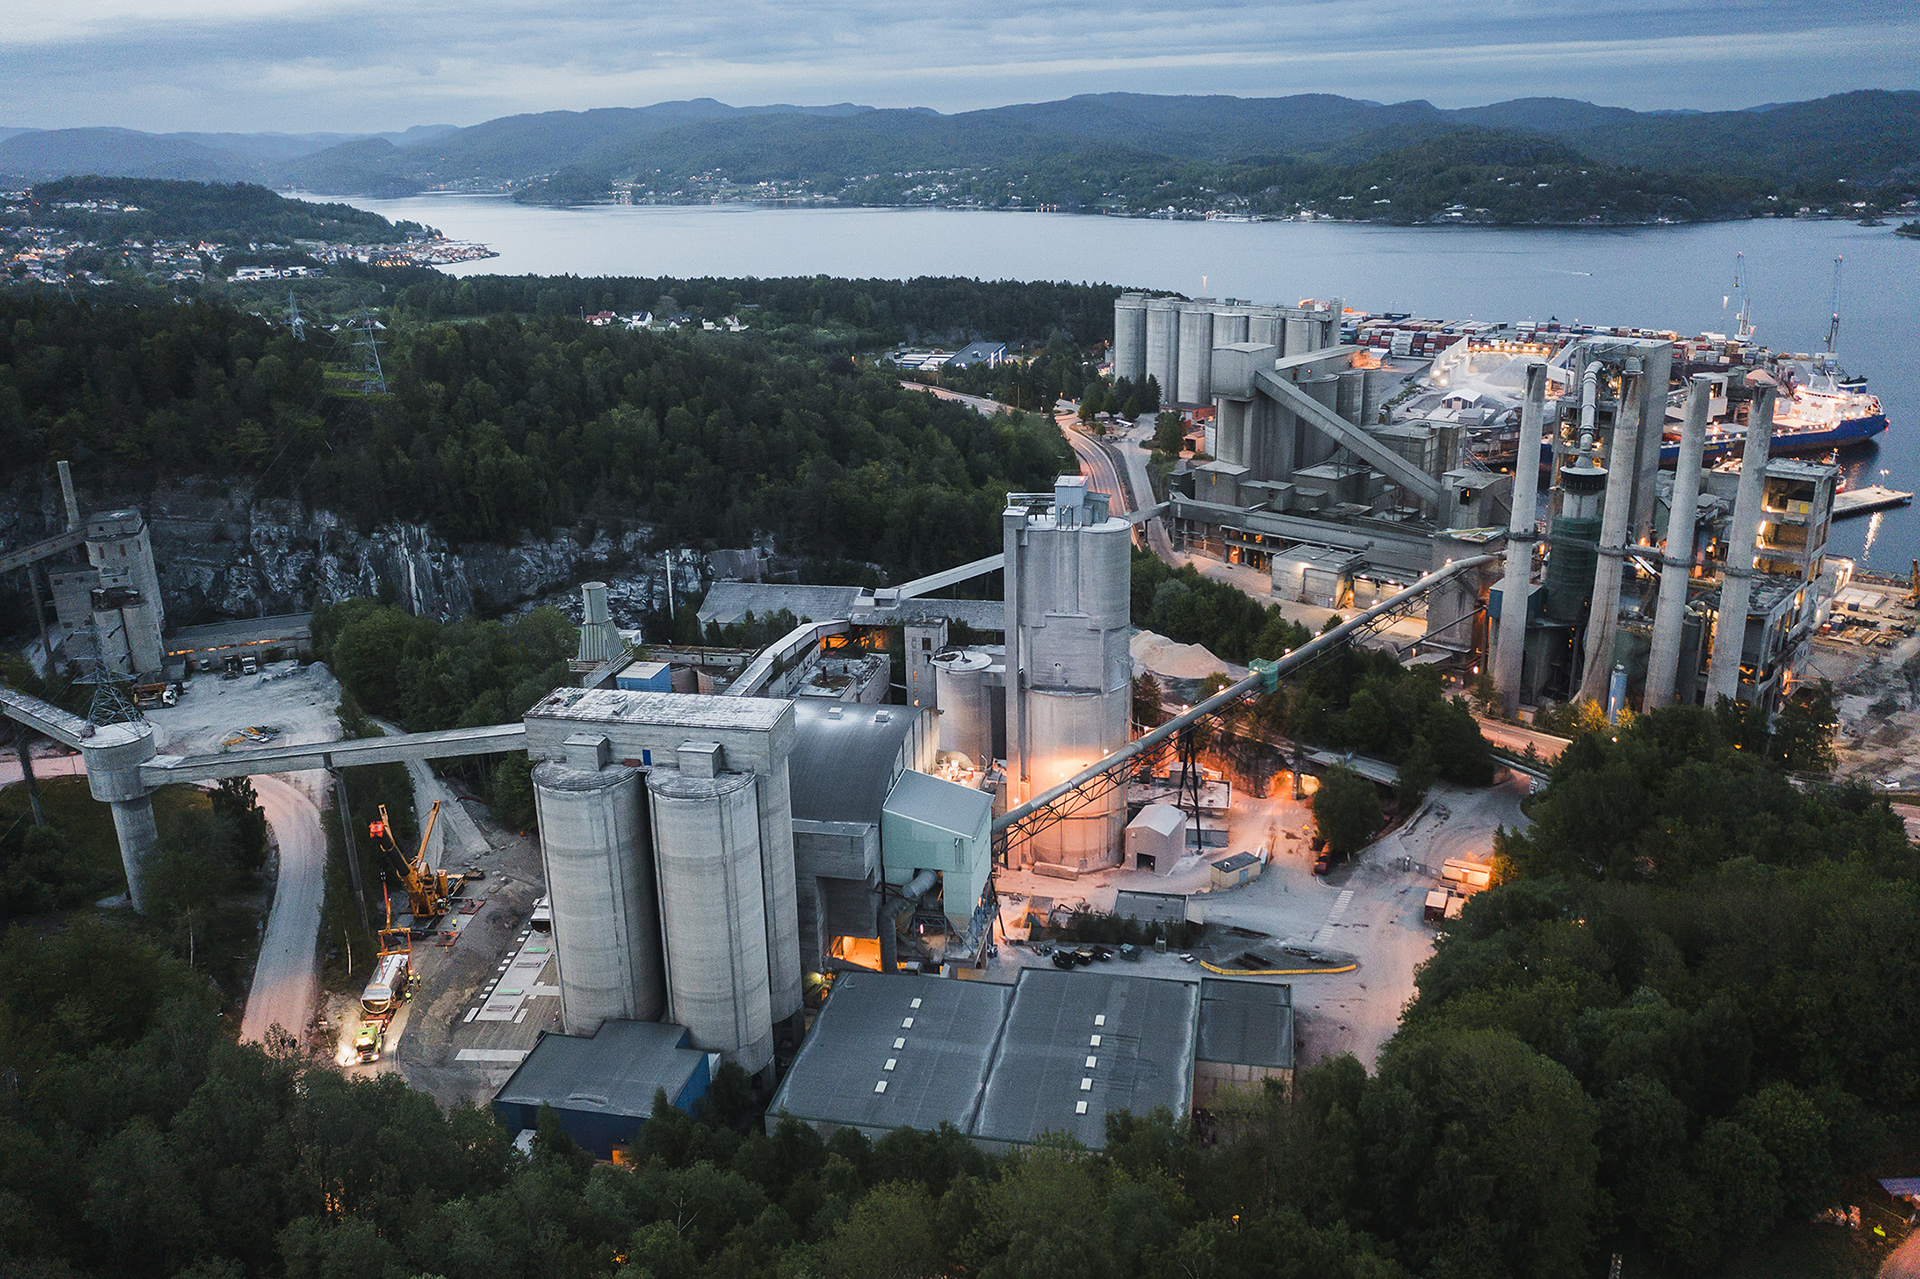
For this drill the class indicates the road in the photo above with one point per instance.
(284, 980)
(44, 766)
(1511, 737)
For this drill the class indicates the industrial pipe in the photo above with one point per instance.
(1736, 583)
(1676, 562)
(1264, 673)
(1522, 532)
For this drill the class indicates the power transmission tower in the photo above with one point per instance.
(296, 321)
(112, 702)
(372, 379)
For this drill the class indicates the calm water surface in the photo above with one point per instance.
(1669, 277)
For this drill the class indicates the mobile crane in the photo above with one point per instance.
(427, 888)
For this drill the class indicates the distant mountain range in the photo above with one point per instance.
(1870, 138)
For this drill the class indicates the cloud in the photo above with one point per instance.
(295, 65)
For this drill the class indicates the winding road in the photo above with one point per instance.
(285, 982)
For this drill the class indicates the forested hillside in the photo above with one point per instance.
(519, 423)
(226, 214)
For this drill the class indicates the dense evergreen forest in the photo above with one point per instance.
(852, 315)
(1679, 1052)
(519, 423)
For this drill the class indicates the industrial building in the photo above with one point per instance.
(601, 1087)
(1056, 1052)
(1173, 341)
(1343, 472)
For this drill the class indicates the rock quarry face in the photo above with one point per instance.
(221, 553)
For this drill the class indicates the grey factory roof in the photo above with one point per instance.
(841, 768)
(616, 1072)
(1246, 1023)
(941, 804)
(1236, 861)
(1138, 1032)
(678, 710)
(938, 1034)
(731, 601)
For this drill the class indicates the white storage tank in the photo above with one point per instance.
(606, 922)
(1130, 337)
(706, 841)
(1196, 354)
(960, 691)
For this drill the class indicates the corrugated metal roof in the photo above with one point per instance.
(1138, 1032)
(842, 767)
(941, 804)
(615, 1072)
(1246, 1023)
(938, 1033)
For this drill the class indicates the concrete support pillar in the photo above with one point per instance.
(1676, 565)
(1736, 587)
(1603, 619)
(1522, 533)
(139, 844)
(113, 756)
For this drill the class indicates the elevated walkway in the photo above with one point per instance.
(162, 770)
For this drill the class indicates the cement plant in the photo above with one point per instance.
(850, 862)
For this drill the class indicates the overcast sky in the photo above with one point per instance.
(359, 65)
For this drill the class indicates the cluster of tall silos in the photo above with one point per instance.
(1068, 669)
(666, 834)
(1172, 340)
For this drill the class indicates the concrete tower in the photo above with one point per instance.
(1522, 534)
(1676, 562)
(1069, 675)
(1623, 453)
(1736, 587)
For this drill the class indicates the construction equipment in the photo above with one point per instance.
(427, 888)
(392, 983)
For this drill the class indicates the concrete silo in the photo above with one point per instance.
(1069, 674)
(594, 850)
(1230, 323)
(1163, 344)
(1196, 355)
(707, 854)
(1130, 337)
(966, 717)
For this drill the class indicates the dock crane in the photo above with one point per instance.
(427, 888)
(1833, 329)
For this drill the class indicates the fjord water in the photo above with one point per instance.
(1655, 277)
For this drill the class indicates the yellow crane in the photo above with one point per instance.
(427, 888)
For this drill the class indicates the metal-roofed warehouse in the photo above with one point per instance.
(602, 1086)
(1056, 1052)
(895, 1051)
(1246, 1036)
(1078, 1045)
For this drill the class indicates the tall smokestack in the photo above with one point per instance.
(66, 493)
(1736, 587)
(1603, 619)
(1522, 532)
(1676, 565)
